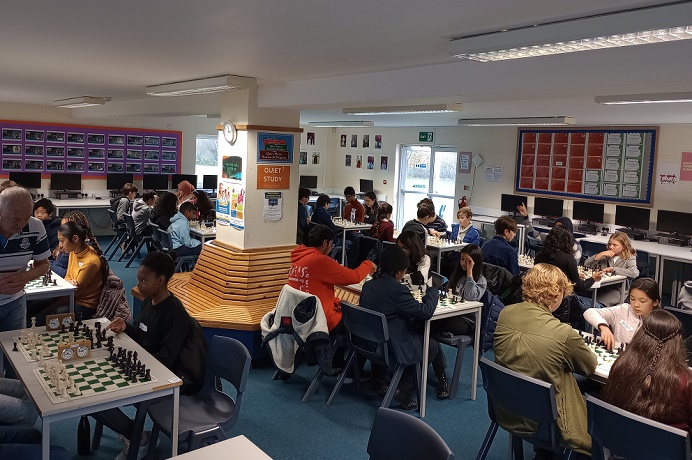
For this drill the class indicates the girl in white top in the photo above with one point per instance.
(619, 323)
(419, 270)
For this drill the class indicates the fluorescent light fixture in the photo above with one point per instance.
(658, 98)
(525, 121)
(84, 101)
(405, 109)
(203, 86)
(657, 24)
(342, 124)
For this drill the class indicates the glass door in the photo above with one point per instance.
(427, 172)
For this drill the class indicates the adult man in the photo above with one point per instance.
(141, 212)
(313, 271)
(497, 250)
(352, 203)
(22, 238)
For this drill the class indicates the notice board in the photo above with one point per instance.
(595, 164)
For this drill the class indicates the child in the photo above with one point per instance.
(418, 271)
(62, 258)
(121, 205)
(424, 215)
(383, 229)
(303, 219)
(565, 222)
(371, 207)
(183, 243)
(184, 193)
(651, 377)
(621, 322)
(386, 294)
(497, 251)
(165, 208)
(467, 232)
(437, 226)
(141, 212)
(165, 330)
(44, 210)
(205, 208)
(619, 259)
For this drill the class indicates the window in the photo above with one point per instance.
(207, 156)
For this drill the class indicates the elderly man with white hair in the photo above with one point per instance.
(22, 238)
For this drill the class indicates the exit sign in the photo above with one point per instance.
(425, 136)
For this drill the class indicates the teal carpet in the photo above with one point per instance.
(274, 418)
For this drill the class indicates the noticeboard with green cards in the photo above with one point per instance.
(595, 164)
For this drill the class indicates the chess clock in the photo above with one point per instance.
(57, 322)
(53, 324)
(230, 133)
(75, 350)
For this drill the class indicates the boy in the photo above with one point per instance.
(183, 243)
(353, 203)
(424, 215)
(385, 294)
(43, 210)
(141, 212)
(497, 251)
(121, 205)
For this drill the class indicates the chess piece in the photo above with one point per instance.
(33, 323)
(147, 375)
(14, 346)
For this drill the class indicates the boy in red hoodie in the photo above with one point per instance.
(313, 271)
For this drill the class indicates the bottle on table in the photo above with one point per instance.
(353, 215)
(84, 436)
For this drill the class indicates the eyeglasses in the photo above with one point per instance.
(349, 196)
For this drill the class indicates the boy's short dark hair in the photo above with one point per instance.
(187, 206)
(322, 200)
(349, 191)
(46, 204)
(425, 210)
(505, 223)
(303, 193)
(318, 235)
(160, 263)
(148, 195)
(129, 188)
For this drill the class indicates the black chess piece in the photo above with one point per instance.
(134, 356)
(147, 375)
(62, 328)
(133, 377)
(14, 346)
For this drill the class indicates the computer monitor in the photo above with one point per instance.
(65, 181)
(308, 181)
(155, 182)
(178, 178)
(588, 212)
(117, 181)
(210, 182)
(26, 179)
(547, 207)
(631, 217)
(366, 185)
(674, 222)
(509, 203)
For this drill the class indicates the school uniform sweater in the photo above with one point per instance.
(84, 267)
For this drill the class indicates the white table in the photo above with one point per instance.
(460, 308)
(80, 203)
(347, 225)
(203, 233)
(441, 247)
(609, 281)
(521, 229)
(238, 447)
(44, 292)
(167, 384)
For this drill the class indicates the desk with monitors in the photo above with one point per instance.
(116, 181)
(635, 221)
(28, 180)
(549, 209)
(589, 214)
(66, 184)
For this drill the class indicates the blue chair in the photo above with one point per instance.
(685, 318)
(164, 237)
(525, 397)
(134, 243)
(118, 239)
(643, 264)
(631, 436)
(405, 437)
(590, 248)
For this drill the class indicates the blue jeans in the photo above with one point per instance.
(588, 302)
(17, 408)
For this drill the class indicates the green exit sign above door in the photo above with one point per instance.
(425, 136)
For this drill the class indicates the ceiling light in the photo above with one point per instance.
(658, 98)
(641, 26)
(524, 121)
(342, 124)
(405, 109)
(203, 86)
(84, 101)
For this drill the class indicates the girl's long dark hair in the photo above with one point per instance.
(413, 243)
(646, 378)
(78, 225)
(167, 205)
(477, 256)
(559, 239)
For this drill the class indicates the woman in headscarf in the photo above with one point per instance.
(185, 192)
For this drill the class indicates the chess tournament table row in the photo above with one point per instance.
(164, 383)
(346, 225)
(447, 306)
(44, 288)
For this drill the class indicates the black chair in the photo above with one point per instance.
(396, 435)
(368, 248)
(643, 264)
(524, 397)
(156, 237)
(685, 318)
(368, 336)
(534, 245)
(118, 239)
(164, 236)
(590, 248)
(631, 436)
(134, 242)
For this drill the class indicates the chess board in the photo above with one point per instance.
(51, 341)
(447, 302)
(441, 242)
(605, 358)
(37, 284)
(525, 261)
(93, 376)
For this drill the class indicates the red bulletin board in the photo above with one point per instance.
(596, 164)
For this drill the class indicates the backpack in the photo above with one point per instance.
(191, 365)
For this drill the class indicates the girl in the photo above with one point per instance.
(471, 284)
(467, 232)
(621, 322)
(205, 208)
(371, 207)
(165, 208)
(383, 229)
(87, 269)
(563, 221)
(619, 259)
(419, 261)
(62, 258)
(651, 377)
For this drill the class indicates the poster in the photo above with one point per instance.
(274, 148)
(303, 159)
(384, 162)
(464, 162)
(667, 176)
(494, 173)
(371, 162)
(272, 206)
(347, 161)
(686, 166)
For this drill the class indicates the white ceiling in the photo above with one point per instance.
(321, 56)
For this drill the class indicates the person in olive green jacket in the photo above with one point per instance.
(531, 341)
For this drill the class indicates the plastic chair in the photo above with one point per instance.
(590, 248)
(632, 436)
(119, 237)
(685, 318)
(643, 264)
(164, 237)
(207, 417)
(135, 242)
(368, 335)
(524, 397)
(368, 249)
(405, 437)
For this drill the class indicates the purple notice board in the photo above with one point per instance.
(89, 150)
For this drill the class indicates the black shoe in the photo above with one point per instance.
(407, 402)
(442, 386)
(379, 386)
